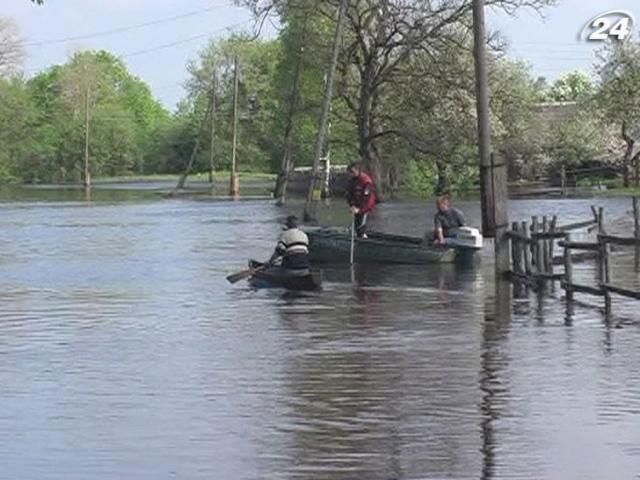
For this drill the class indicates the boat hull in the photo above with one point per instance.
(333, 245)
(276, 277)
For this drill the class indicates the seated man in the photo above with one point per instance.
(446, 220)
(293, 247)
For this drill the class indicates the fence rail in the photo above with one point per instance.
(532, 255)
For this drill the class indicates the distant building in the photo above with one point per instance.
(551, 113)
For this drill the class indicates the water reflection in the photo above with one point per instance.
(497, 321)
(125, 353)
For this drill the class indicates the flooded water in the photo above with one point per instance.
(124, 353)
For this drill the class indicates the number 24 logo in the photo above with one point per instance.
(615, 23)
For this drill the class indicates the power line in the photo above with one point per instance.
(123, 29)
(180, 42)
(167, 45)
(164, 46)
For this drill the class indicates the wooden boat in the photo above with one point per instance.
(333, 245)
(276, 277)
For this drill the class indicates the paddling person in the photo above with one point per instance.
(361, 197)
(293, 247)
(446, 220)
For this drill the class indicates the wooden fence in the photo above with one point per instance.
(533, 262)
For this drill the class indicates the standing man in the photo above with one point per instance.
(361, 197)
(446, 220)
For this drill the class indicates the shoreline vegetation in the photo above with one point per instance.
(262, 184)
(411, 121)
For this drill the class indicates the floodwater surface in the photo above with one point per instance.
(124, 353)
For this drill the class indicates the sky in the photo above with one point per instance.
(176, 30)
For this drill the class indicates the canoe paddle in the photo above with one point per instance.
(236, 277)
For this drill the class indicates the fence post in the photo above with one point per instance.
(526, 252)
(519, 285)
(568, 269)
(545, 245)
(601, 221)
(535, 246)
(552, 242)
(605, 273)
(636, 232)
(515, 261)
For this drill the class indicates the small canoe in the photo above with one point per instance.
(278, 277)
(333, 245)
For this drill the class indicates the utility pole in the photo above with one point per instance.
(493, 178)
(87, 173)
(315, 188)
(234, 189)
(213, 118)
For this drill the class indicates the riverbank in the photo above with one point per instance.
(261, 185)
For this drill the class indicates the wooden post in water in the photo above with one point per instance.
(568, 270)
(234, 187)
(600, 220)
(516, 257)
(550, 250)
(563, 181)
(636, 232)
(515, 250)
(535, 246)
(526, 251)
(545, 245)
(595, 213)
(493, 178)
(605, 273)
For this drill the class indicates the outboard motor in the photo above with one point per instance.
(466, 237)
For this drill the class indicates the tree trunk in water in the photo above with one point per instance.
(443, 185)
(626, 163)
(87, 172)
(367, 129)
(286, 165)
(183, 178)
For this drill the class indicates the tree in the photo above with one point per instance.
(382, 38)
(619, 100)
(11, 48)
(84, 86)
(258, 102)
(18, 117)
(572, 87)
(43, 122)
(579, 139)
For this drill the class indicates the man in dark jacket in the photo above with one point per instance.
(361, 197)
(446, 219)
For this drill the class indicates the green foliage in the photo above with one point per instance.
(404, 102)
(42, 121)
(18, 117)
(619, 74)
(514, 95)
(580, 139)
(258, 105)
(574, 86)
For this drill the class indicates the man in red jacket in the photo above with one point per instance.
(361, 197)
